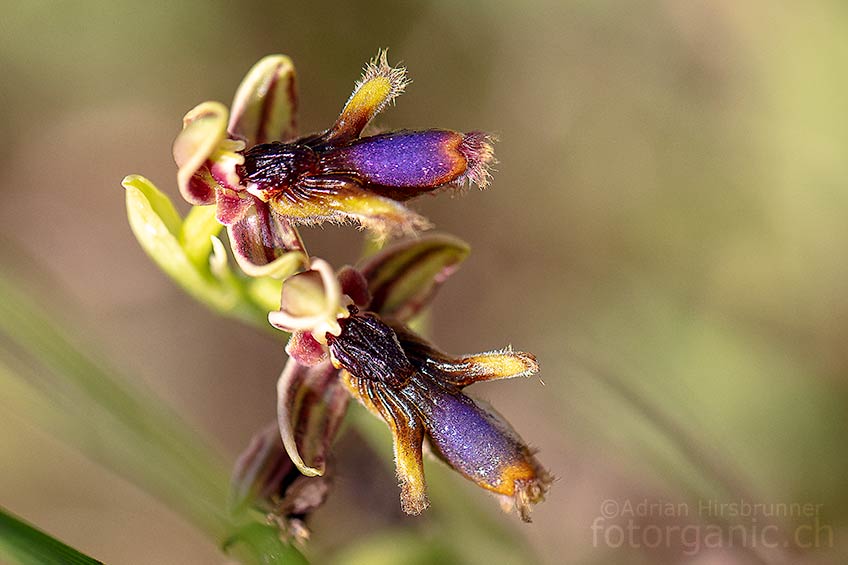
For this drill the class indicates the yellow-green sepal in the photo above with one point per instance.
(184, 249)
(404, 277)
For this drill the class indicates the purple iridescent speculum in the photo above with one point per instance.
(474, 440)
(404, 159)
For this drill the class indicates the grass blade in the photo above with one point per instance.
(24, 544)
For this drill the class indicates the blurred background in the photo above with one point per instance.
(663, 231)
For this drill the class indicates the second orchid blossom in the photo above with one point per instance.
(355, 323)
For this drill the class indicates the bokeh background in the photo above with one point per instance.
(665, 230)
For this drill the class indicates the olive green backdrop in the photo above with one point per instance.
(666, 231)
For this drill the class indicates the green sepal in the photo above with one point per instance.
(403, 278)
(157, 226)
(196, 234)
(265, 103)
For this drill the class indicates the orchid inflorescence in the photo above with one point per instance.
(247, 170)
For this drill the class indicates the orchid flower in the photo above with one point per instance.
(252, 161)
(354, 327)
(246, 168)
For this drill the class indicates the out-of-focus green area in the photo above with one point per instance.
(664, 231)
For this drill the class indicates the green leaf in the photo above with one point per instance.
(53, 381)
(92, 405)
(23, 544)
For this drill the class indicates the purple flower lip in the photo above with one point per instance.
(413, 387)
(403, 163)
(417, 390)
(338, 175)
(397, 165)
(249, 160)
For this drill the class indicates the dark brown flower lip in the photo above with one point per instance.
(276, 167)
(369, 348)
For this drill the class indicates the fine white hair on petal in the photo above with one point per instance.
(477, 148)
